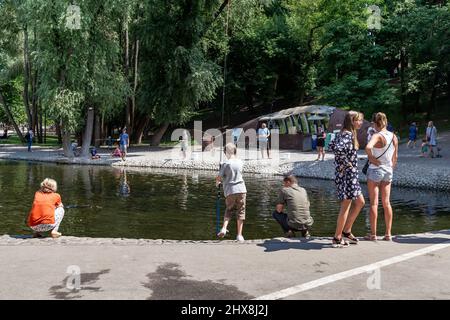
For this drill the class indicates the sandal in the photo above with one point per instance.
(371, 237)
(290, 234)
(387, 238)
(350, 237)
(339, 243)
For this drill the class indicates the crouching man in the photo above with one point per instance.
(298, 217)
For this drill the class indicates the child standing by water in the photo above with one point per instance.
(234, 190)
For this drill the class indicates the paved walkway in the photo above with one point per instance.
(411, 267)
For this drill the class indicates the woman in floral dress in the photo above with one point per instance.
(344, 147)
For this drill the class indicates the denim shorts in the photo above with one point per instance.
(379, 174)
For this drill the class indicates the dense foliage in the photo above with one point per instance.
(151, 64)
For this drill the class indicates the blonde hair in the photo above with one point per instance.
(49, 185)
(350, 118)
(381, 120)
(230, 149)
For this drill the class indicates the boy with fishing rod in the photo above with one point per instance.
(230, 175)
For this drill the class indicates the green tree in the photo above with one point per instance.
(176, 74)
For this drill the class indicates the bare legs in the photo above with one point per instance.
(348, 215)
(240, 226)
(223, 232)
(385, 189)
(321, 152)
(373, 195)
(226, 221)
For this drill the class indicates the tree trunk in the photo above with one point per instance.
(87, 135)
(417, 102)
(156, 138)
(66, 143)
(403, 64)
(40, 127)
(127, 73)
(26, 79)
(34, 105)
(139, 128)
(432, 107)
(58, 132)
(135, 85)
(97, 131)
(11, 118)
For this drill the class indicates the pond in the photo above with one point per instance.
(161, 204)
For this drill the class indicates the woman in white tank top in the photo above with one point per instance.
(382, 152)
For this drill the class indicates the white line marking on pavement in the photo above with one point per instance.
(350, 273)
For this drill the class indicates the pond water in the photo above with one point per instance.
(160, 204)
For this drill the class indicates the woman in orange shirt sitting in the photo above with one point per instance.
(47, 211)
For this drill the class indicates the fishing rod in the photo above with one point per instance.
(225, 3)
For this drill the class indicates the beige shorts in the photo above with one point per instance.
(235, 203)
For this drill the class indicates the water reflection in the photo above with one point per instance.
(124, 187)
(162, 199)
(184, 192)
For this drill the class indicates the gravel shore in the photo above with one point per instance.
(412, 170)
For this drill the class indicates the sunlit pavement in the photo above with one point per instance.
(413, 267)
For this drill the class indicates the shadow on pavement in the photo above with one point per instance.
(277, 245)
(21, 236)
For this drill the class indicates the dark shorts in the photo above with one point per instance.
(321, 143)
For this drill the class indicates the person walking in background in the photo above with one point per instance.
(234, 190)
(29, 138)
(321, 135)
(124, 142)
(344, 147)
(298, 217)
(184, 144)
(263, 139)
(431, 135)
(382, 152)
(413, 132)
(47, 211)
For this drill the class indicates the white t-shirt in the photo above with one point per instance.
(231, 173)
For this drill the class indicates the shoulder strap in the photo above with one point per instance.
(387, 147)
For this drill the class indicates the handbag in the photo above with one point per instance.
(366, 166)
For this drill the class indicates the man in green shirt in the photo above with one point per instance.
(298, 217)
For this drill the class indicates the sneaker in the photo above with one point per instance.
(240, 238)
(223, 232)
